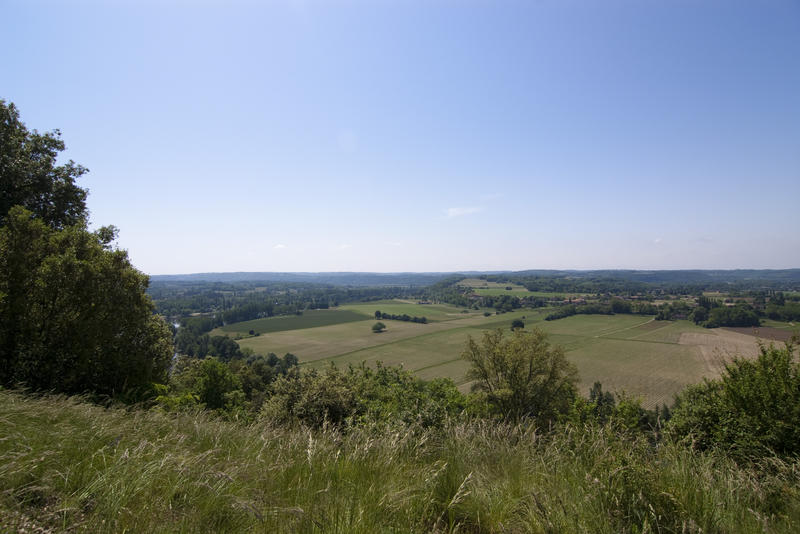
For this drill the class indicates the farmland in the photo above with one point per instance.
(630, 353)
(495, 289)
(309, 319)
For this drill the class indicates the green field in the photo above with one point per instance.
(309, 319)
(495, 289)
(432, 312)
(499, 291)
(630, 353)
(779, 324)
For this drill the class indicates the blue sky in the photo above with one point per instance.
(423, 136)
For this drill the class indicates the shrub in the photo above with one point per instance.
(521, 376)
(753, 409)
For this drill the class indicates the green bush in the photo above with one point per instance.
(522, 375)
(751, 411)
(360, 395)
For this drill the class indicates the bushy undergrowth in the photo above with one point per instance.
(753, 410)
(68, 465)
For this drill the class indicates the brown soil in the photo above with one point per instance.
(763, 332)
(718, 346)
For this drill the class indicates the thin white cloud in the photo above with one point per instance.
(458, 212)
(657, 241)
(345, 246)
(279, 245)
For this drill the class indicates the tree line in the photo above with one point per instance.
(401, 317)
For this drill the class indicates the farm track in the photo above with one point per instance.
(605, 334)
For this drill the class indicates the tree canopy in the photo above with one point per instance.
(74, 315)
(30, 176)
(378, 327)
(521, 375)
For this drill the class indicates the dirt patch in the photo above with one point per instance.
(763, 332)
(719, 346)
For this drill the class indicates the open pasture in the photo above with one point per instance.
(432, 312)
(626, 353)
(500, 291)
(309, 319)
(343, 342)
(496, 289)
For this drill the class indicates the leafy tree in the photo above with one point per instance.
(517, 323)
(216, 385)
(752, 410)
(699, 315)
(522, 375)
(603, 402)
(74, 315)
(738, 315)
(378, 327)
(29, 176)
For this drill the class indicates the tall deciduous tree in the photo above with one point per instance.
(74, 315)
(521, 375)
(29, 176)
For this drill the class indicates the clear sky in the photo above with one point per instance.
(423, 136)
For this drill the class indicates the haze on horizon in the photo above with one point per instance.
(303, 136)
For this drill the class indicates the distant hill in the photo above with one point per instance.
(363, 279)
(677, 276)
(335, 278)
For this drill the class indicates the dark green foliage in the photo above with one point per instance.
(670, 311)
(787, 311)
(565, 311)
(517, 323)
(603, 403)
(74, 315)
(237, 387)
(699, 315)
(357, 395)
(236, 302)
(751, 411)
(739, 315)
(400, 317)
(620, 306)
(29, 176)
(378, 327)
(521, 376)
(216, 385)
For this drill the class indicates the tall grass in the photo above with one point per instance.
(67, 465)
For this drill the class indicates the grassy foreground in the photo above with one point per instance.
(67, 465)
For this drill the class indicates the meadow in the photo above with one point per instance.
(72, 466)
(347, 313)
(309, 319)
(496, 289)
(633, 354)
